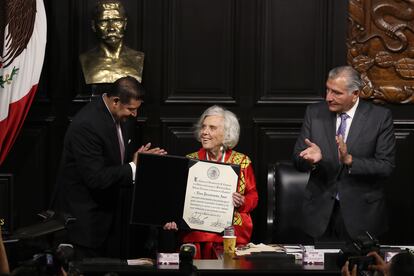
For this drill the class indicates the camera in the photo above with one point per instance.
(356, 252)
(49, 262)
(362, 262)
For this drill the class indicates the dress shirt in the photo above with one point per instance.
(132, 164)
(351, 114)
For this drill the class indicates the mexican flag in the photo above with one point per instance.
(22, 50)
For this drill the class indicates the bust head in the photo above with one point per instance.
(110, 22)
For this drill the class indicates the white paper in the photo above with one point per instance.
(208, 202)
(141, 261)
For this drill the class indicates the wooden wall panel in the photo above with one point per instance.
(399, 189)
(200, 42)
(28, 162)
(178, 136)
(292, 51)
(6, 203)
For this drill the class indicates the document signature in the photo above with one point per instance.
(218, 224)
(196, 219)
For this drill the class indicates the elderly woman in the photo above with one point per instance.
(218, 131)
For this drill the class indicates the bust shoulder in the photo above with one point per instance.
(98, 68)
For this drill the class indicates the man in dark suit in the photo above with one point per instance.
(348, 145)
(96, 162)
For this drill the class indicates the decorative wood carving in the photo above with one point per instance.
(381, 47)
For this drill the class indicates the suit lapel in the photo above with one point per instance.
(124, 130)
(329, 125)
(358, 123)
(112, 132)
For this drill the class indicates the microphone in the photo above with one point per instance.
(188, 248)
(187, 253)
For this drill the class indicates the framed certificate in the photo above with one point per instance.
(208, 203)
(196, 194)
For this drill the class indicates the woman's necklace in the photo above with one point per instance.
(223, 155)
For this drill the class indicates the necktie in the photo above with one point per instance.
(121, 141)
(342, 126)
(341, 131)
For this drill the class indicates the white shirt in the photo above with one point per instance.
(132, 164)
(351, 114)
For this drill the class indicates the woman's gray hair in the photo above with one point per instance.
(231, 125)
(353, 78)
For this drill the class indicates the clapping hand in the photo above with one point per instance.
(344, 156)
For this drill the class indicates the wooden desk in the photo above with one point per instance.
(267, 265)
(226, 266)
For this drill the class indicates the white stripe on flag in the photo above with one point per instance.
(29, 64)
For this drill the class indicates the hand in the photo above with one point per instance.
(147, 149)
(380, 265)
(170, 226)
(144, 148)
(345, 270)
(344, 157)
(238, 200)
(312, 154)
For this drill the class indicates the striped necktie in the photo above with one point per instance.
(342, 126)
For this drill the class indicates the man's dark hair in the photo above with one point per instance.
(127, 88)
(402, 264)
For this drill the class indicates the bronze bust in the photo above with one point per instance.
(111, 59)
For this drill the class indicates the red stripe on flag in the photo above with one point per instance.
(10, 127)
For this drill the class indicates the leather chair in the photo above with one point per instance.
(286, 187)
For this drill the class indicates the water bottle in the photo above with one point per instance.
(229, 231)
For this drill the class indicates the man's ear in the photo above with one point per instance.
(116, 100)
(356, 95)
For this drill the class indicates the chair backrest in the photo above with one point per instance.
(286, 187)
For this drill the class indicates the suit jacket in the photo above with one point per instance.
(91, 173)
(371, 142)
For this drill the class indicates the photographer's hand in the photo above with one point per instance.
(380, 265)
(345, 270)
